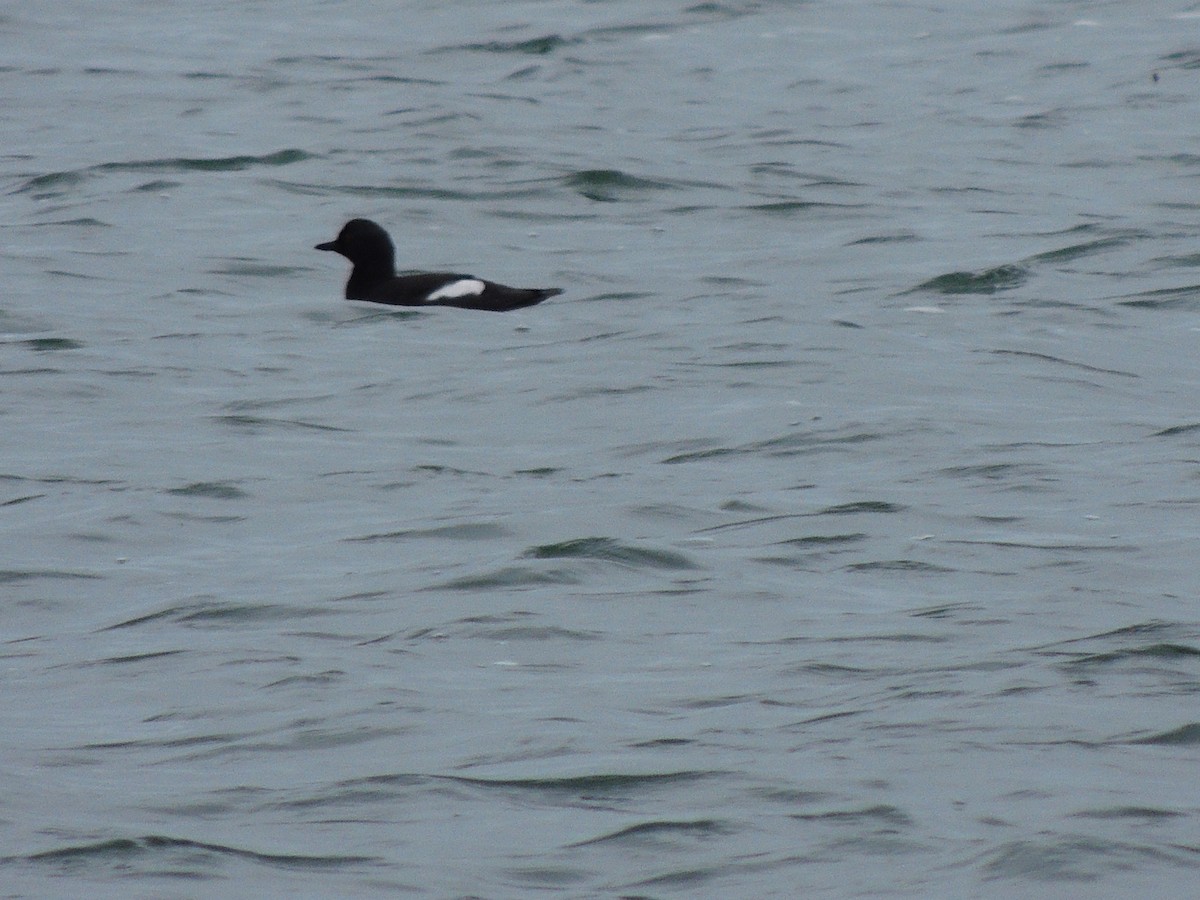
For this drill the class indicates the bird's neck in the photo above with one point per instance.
(365, 274)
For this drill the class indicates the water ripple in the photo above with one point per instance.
(187, 857)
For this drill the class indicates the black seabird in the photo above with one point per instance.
(374, 277)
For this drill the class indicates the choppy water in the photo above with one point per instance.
(834, 533)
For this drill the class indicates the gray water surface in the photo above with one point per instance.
(834, 533)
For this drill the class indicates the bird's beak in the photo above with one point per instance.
(328, 245)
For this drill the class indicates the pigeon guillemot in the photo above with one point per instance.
(374, 277)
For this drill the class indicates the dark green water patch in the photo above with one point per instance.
(1184, 736)
(1182, 298)
(653, 833)
(883, 814)
(1178, 429)
(16, 501)
(156, 185)
(899, 237)
(790, 207)
(1075, 251)
(214, 490)
(206, 164)
(611, 185)
(1184, 59)
(538, 46)
(610, 550)
(83, 222)
(1162, 651)
(45, 345)
(508, 577)
(467, 531)
(986, 281)
(55, 184)
(899, 565)
(1045, 357)
(816, 541)
(260, 422)
(864, 506)
(12, 576)
(584, 784)
(118, 851)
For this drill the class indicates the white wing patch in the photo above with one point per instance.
(464, 287)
